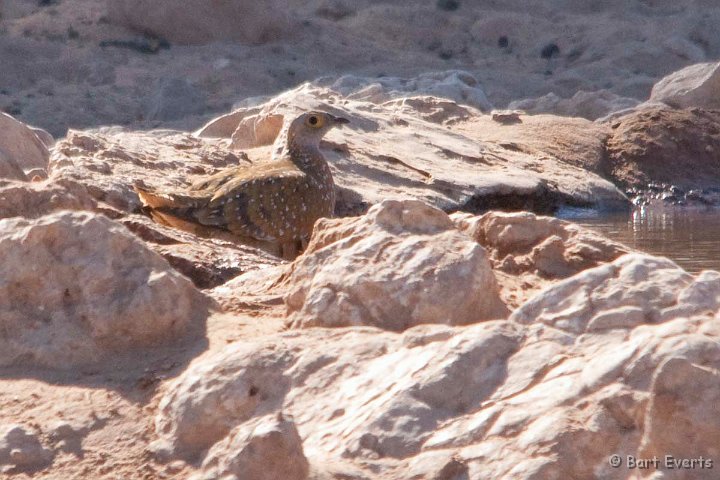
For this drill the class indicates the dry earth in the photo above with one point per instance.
(173, 63)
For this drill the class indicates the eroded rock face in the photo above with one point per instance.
(33, 200)
(247, 380)
(439, 150)
(528, 252)
(523, 242)
(21, 149)
(455, 86)
(267, 448)
(78, 287)
(610, 360)
(590, 105)
(402, 264)
(694, 86)
(620, 288)
(108, 162)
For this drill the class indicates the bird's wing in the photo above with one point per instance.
(217, 180)
(249, 206)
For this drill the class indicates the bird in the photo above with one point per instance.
(270, 203)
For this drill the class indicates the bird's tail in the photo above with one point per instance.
(164, 201)
(173, 209)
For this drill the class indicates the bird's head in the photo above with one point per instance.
(310, 127)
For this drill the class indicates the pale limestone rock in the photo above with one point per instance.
(44, 136)
(9, 169)
(455, 85)
(32, 200)
(429, 380)
(529, 252)
(590, 105)
(440, 151)
(683, 417)
(522, 242)
(109, 161)
(620, 288)
(20, 148)
(267, 448)
(615, 359)
(78, 287)
(250, 382)
(694, 86)
(402, 264)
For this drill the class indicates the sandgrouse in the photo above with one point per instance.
(276, 202)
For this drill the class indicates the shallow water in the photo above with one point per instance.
(690, 237)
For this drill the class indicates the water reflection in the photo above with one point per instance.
(691, 237)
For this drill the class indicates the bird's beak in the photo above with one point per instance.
(339, 120)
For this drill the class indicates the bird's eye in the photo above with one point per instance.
(314, 121)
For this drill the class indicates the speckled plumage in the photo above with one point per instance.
(278, 201)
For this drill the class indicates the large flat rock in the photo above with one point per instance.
(445, 153)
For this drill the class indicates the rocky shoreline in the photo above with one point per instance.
(443, 326)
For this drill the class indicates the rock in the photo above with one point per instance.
(78, 288)
(403, 264)
(528, 252)
(455, 85)
(33, 200)
(437, 466)
(249, 380)
(207, 262)
(590, 105)
(20, 147)
(606, 361)
(554, 248)
(187, 427)
(694, 86)
(193, 23)
(682, 419)
(657, 145)
(44, 136)
(439, 151)
(108, 162)
(621, 287)
(268, 448)
(22, 449)
(9, 169)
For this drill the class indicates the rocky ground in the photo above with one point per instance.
(443, 326)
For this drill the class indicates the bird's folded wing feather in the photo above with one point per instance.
(249, 206)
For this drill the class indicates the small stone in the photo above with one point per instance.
(549, 51)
